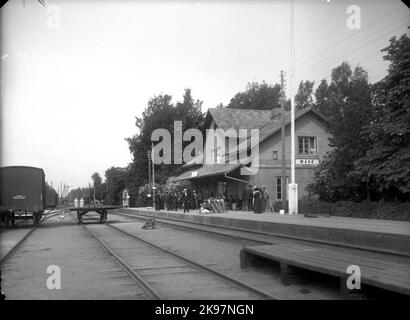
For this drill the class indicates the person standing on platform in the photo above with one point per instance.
(166, 201)
(158, 201)
(266, 205)
(175, 201)
(257, 201)
(196, 200)
(250, 198)
(262, 199)
(200, 199)
(149, 200)
(245, 196)
(236, 202)
(185, 200)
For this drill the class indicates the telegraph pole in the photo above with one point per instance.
(293, 191)
(153, 176)
(149, 171)
(282, 137)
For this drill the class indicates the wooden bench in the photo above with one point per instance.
(375, 270)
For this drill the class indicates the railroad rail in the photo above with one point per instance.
(190, 265)
(229, 232)
(377, 259)
(19, 243)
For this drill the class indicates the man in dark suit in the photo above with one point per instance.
(185, 200)
(175, 201)
(250, 198)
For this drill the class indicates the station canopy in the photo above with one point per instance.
(208, 171)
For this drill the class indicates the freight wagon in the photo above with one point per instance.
(51, 199)
(22, 194)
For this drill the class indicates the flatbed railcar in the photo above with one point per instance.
(22, 194)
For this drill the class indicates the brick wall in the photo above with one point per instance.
(307, 125)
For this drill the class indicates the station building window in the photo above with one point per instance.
(307, 146)
(279, 188)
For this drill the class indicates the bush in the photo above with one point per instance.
(369, 210)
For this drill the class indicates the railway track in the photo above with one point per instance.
(19, 243)
(254, 236)
(214, 230)
(165, 274)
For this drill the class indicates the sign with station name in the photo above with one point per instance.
(19, 197)
(314, 162)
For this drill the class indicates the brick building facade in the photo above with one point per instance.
(311, 141)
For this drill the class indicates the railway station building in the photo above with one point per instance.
(224, 177)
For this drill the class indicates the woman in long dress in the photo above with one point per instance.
(257, 207)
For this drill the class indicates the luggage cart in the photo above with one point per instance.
(102, 211)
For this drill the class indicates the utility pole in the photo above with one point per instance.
(282, 138)
(293, 188)
(153, 175)
(149, 171)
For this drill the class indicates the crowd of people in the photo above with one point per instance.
(253, 199)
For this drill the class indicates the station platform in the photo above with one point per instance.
(371, 234)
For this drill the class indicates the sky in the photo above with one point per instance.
(75, 74)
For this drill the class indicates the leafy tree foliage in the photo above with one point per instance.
(387, 161)
(160, 113)
(115, 181)
(99, 187)
(347, 103)
(96, 179)
(79, 193)
(259, 96)
(370, 131)
(304, 96)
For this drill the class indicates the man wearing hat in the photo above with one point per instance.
(185, 200)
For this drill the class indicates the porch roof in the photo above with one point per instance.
(207, 171)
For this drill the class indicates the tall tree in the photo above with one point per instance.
(115, 178)
(387, 162)
(96, 179)
(347, 103)
(304, 96)
(322, 103)
(160, 113)
(259, 96)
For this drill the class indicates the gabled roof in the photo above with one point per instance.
(226, 118)
(274, 126)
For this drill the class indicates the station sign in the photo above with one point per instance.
(19, 197)
(314, 162)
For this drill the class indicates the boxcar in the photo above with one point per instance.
(51, 199)
(22, 194)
